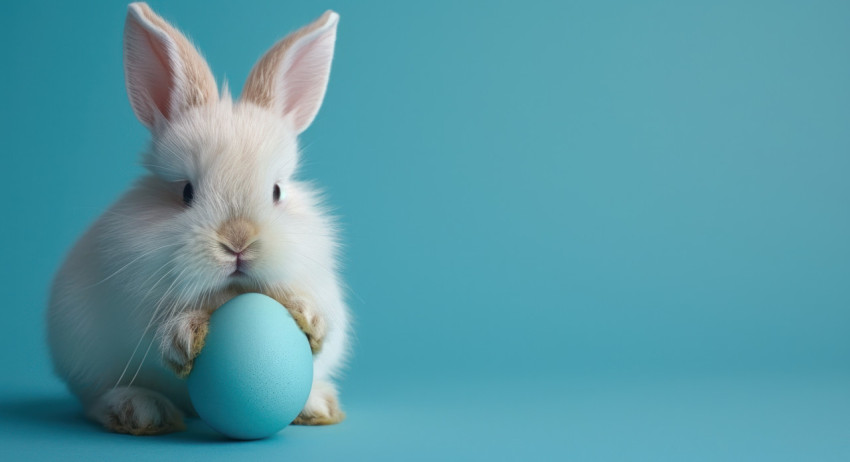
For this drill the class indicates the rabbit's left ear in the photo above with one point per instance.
(291, 78)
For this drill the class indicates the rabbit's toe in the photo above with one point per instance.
(322, 406)
(182, 340)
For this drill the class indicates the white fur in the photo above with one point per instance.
(150, 258)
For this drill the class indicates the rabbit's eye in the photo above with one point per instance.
(276, 194)
(188, 194)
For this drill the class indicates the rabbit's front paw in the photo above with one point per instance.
(306, 315)
(182, 338)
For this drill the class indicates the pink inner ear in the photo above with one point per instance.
(306, 77)
(161, 81)
(150, 74)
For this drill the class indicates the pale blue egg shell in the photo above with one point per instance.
(254, 374)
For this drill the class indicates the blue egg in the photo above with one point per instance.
(254, 374)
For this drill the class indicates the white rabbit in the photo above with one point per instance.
(218, 214)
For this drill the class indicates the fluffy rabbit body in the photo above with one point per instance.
(218, 214)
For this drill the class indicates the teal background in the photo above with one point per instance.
(574, 230)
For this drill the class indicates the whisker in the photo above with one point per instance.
(128, 264)
(158, 305)
(136, 349)
(139, 343)
(171, 311)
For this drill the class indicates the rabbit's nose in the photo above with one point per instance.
(237, 234)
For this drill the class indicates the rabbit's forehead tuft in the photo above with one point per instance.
(222, 143)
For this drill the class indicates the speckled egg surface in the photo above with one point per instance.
(254, 374)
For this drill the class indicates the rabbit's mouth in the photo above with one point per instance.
(240, 282)
(238, 276)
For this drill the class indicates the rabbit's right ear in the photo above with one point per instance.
(291, 78)
(164, 73)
